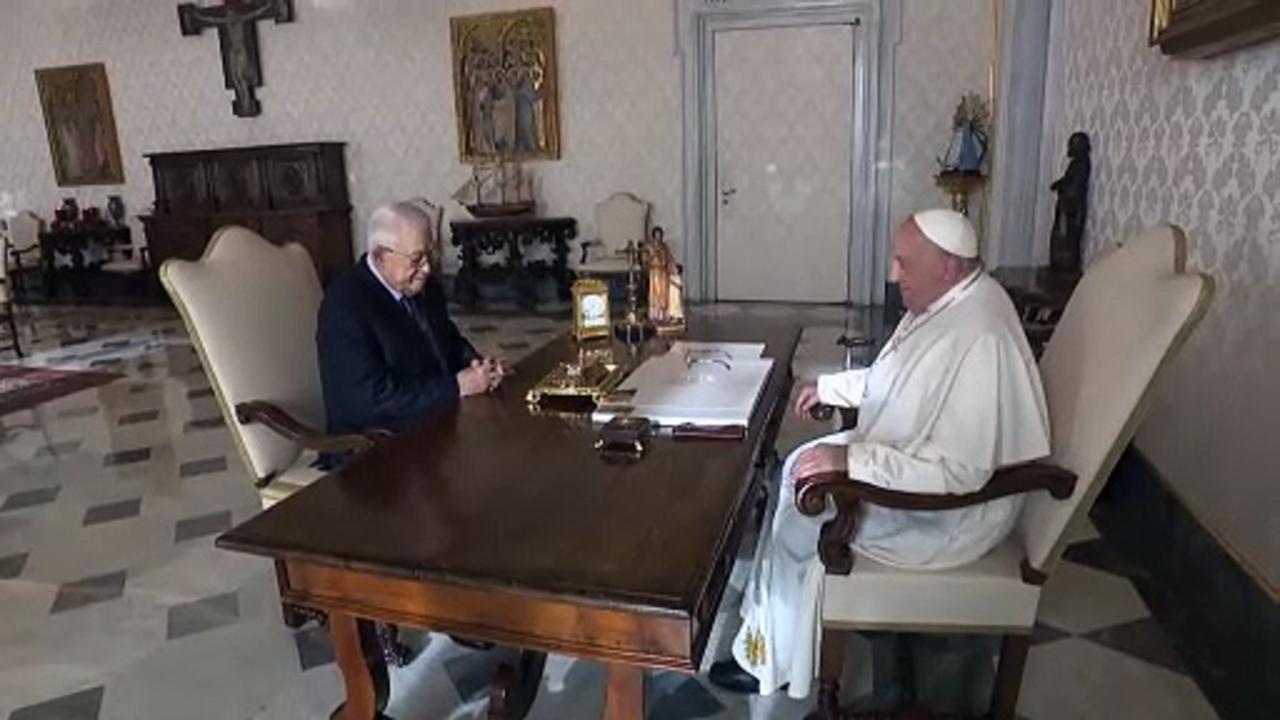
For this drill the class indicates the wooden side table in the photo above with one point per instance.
(478, 238)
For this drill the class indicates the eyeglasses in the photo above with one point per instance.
(417, 259)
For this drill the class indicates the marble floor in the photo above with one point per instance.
(114, 604)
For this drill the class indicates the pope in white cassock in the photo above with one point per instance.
(954, 394)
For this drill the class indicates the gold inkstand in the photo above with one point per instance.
(594, 374)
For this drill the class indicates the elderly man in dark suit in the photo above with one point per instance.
(389, 354)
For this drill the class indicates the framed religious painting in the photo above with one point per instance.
(1205, 28)
(80, 124)
(504, 86)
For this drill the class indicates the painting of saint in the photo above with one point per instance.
(505, 86)
(80, 124)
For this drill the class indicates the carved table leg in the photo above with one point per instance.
(560, 268)
(624, 696)
(364, 672)
(512, 691)
(466, 286)
(522, 279)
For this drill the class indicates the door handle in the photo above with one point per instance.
(726, 194)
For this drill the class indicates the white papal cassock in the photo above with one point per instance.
(953, 395)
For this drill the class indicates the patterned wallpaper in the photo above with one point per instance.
(376, 74)
(373, 73)
(1196, 143)
(944, 53)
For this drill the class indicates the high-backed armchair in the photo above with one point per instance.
(620, 218)
(1130, 315)
(11, 342)
(250, 308)
(23, 251)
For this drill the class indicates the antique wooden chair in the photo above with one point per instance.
(1129, 317)
(7, 316)
(23, 252)
(620, 218)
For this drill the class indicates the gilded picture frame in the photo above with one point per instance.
(506, 96)
(80, 124)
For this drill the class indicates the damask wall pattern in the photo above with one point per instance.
(376, 74)
(372, 73)
(1195, 143)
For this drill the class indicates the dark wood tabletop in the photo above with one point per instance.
(492, 497)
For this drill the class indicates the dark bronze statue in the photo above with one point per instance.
(1067, 239)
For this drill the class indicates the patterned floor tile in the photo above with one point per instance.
(126, 457)
(204, 424)
(83, 705)
(1045, 634)
(111, 512)
(90, 590)
(1143, 639)
(1095, 554)
(1079, 599)
(66, 447)
(202, 525)
(11, 566)
(1075, 678)
(31, 498)
(204, 466)
(673, 696)
(314, 648)
(138, 417)
(202, 615)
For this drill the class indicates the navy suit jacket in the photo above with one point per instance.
(377, 366)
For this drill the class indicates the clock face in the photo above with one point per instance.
(594, 311)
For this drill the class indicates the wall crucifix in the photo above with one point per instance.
(237, 25)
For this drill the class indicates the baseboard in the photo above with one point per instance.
(1225, 623)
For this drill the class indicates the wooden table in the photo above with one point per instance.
(498, 524)
(512, 235)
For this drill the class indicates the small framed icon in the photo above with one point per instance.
(591, 316)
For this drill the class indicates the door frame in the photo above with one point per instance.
(697, 22)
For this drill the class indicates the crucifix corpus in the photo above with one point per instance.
(237, 25)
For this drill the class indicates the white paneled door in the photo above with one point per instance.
(784, 114)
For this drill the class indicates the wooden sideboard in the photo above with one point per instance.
(287, 193)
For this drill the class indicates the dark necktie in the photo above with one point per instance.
(421, 321)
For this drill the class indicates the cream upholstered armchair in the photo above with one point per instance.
(1130, 315)
(250, 308)
(23, 251)
(11, 340)
(620, 218)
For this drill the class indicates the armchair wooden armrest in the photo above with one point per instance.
(284, 424)
(846, 493)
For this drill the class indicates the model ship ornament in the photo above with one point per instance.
(497, 190)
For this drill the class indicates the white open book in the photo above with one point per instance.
(699, 383)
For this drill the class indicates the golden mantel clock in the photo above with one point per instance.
(590, 309)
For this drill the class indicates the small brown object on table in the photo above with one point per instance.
(500, 524)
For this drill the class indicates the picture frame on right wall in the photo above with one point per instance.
(1205, 28)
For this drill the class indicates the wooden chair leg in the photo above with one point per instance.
(830, 669)
(1013, 658)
